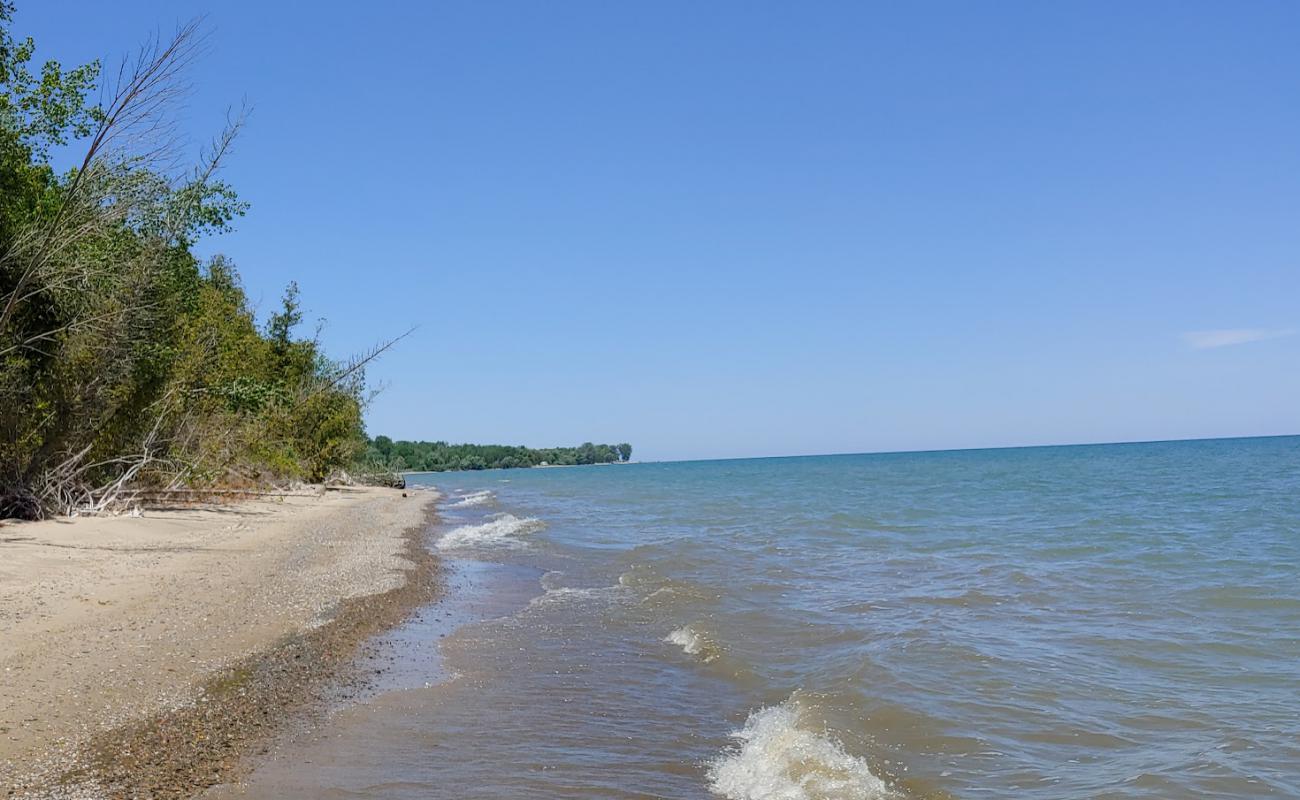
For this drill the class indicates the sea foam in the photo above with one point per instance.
(574, 594)
(694, 642)
(473, 499)
(776, 759)
(503, 530)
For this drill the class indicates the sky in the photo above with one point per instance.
(734, 229)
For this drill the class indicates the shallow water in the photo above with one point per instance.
(1116, 621)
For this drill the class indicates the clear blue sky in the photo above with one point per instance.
(753, 228)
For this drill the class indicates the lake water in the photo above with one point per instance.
(1118, 621)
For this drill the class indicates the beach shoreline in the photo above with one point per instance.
(153, 655)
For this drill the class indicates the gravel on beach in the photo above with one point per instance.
(287, 598)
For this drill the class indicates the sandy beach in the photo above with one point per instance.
(145, 656)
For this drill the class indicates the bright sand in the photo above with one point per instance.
(107, 621)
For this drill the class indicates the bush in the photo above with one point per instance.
(124, 360)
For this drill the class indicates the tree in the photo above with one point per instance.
(439, 456)
(125, 360)
(279, 328)
(625, 451)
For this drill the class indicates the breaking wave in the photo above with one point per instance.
(777, 759)
(503, 530)
(694, 642)
(473, 499)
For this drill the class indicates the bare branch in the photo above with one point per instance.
(356, 364)
(134, 114)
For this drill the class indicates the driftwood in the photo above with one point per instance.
(229, 492)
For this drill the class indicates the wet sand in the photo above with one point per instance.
(150, 656)
(340, 754)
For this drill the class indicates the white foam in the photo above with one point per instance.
(473, 499)
(573, 594)
(693, 643)
(503, 530)
(776, 759)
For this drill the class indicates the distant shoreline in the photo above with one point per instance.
(513, 469)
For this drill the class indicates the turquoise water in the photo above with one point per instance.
(1117, 621)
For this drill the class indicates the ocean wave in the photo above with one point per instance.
(694, 642)
(777, 759)
(473, 499)
(503, 530)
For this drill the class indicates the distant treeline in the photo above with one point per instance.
(441, 456)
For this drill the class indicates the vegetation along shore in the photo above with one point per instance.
(126, 359)
(176, 579)
(404, 456)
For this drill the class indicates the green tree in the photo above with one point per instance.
(438, 456)
(625, 451)
(125, 359)
(279, 328)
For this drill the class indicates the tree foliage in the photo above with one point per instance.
(441, 456)
(125, 359)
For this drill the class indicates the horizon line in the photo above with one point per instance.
(897, 452)
(977, 449)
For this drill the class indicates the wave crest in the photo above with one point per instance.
(473, 499)
(574, 594)
(694, 642)
(503, 530)
(776, 759)
(659, 591)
